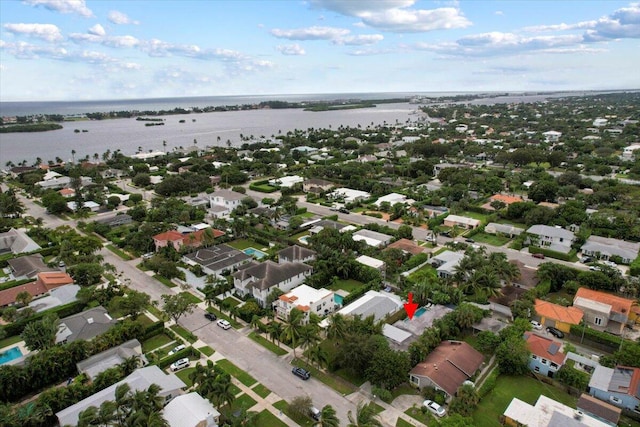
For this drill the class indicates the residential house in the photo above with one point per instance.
(286, 181)
(527, 277)
(552, 136)
(553, 238)
(296, 253)
(557, 316)
(223, 202)
(392, 199)
(502, 198)
(316, 185)
(28, 266)
(90, 205)
(606, 312)
(447, 367)
(407, 246)
(378, 304)
(139, 380)
(372, 238)
(437, 168)
(349, 195)
(191, 410)
(58, 296)
(44, 283)
(17, 242)
(110, 358)
(371, 262)
(599, 410)
(67, 193)
(116, 220)
(319, 225)
(629, 152)
(85, 325)
(546, 413)
(503, 229)
(619, 386)
(502, 304)
(546, 355)
(259, 279)
(446, 263)
(179, 240)
(462, 222)
(306, 299)
(605, 247)
(62, 182)
(217, 259)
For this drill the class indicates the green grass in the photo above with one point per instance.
(266, 418)
(491, 239)
(267, 344)
(475, 215)
(234, 324)
(206, 350)
(144, 320)
(235, 389)
(191, 297)
(184, 333)
(349, 285)
(302, 421)
(349, 376)
(336, 383)
(241, 244)
(525, 388)
(261, 391)
(184, 376)
(403, 389)
(306, 215)
(164, 280)
(231, 301)
(233, 370)
(11, 340)
(242, 401)
(161, 315)
(155, 342)
(377, 408)
(122, 254)
(417, 414)
(403, 423)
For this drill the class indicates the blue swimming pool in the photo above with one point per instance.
(338, 299)
(304, 240)
(420, 312)
(255, 253)
(9, 355)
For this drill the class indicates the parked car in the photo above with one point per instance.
(210, 316)
(343, 210)
(586, 259)
(148, 255)
(300, 372)
(555, 332)
(539, 256)
(315, 413)
(179, 364)
(224, 324)
(469, 240)
(177, 349)
(434, 408)
(536, 325)
(610, 264)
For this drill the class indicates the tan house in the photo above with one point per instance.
(462, 222)
(606, 312)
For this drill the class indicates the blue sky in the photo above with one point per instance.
(92, 50)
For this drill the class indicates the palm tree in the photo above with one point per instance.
(365, 416)
(308, 337)
(328, 417)
(337, 328)
(318, 356)
(292, 328)
(275, 330)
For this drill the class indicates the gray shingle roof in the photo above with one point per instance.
(295, 253)
(86, 325)
(268, 273)
(218, 257)
(28, 265)
(547, 230)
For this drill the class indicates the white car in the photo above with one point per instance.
(177, 349)
(434, 408)
(536, 325)
(179, 364)
(224, 324)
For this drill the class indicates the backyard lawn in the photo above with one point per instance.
(266, 418)
(349, 285)
(490, 239)
(11, 340)
(241, 244)
(475, 215)
(525, 388)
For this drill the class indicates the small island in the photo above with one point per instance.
(33, 127)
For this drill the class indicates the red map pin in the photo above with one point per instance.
(411, 306)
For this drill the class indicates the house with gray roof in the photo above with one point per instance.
(57, 297)
(85, 325)
(17, 242)
(116, 220)
(296, 253)
(446, 262)
(112, 357)
(605, 247)
(372, 238)
(504, 229)
(191, 410)
(553, 238)
(217, 259)
(619, 386)
(378, 304)
(223, 202)
(28, 266)
(139, 380)
(259, 279)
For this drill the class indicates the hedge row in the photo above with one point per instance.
(153, 330)
(16, 328)
(596, 336)
(634, 268)
(553, 254)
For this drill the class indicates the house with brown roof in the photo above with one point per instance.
(43, 284)
(259, 279)
(558, 316)
(546, 355)
(407, 246)
(528, 277)
(606, 312)
(502, 198)
(447, 367)
(28, 266)
(599, 410)
(53, 279)
(179, 240)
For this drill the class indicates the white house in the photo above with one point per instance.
(349, 195)
(306, 299)
(462, 222)
(378, 304)
(547, 413)
(371, 262)
(286, 181)
(446, 262)
(552, 238)
(372, 238)
(223, 202)
(552, 136)
(605, 247)
(393, 198)
(599, 122)
(259, 279)
(628, 152)
(191, 410)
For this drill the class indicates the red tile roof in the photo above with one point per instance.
(53, 279)
(618, 304)
(189, 239)
(8, 296)
(543, 347)
(571, 315)
(406, 245)
(507, 200)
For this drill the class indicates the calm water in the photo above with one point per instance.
(208, 129)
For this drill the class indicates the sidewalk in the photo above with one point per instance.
(391, 413)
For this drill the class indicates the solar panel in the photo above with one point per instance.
(553, 348)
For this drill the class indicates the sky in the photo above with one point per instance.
(101, 50)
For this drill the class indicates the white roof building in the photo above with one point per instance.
(191, 410)
(370, 262)
(349, 195)
(306, 299)
(372, 238)
(393, 198)
(548, 413)
(149, 155)
(374, 303)
(286, 181)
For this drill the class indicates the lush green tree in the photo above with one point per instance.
(86, 274)
(41, 334)
(388, 368)
(365, 416)
(512, 356)
(465, 401)
(177, 305)
(292, 329)
(328, 417)
(132, 304)
(301, 406)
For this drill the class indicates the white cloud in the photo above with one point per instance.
(362, 40)
(63, 6)
(498, 13)
(121, 41)
(369, 52)
(310, 33)
(97, 30)
(119, 18)
(397, 15)
(48, 32)
(22, 50)
(291, 49)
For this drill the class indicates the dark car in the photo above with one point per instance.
(469, 240)
(302, 373)
(210, 316)
(555, 332)
(539, 256)
(343, 210)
